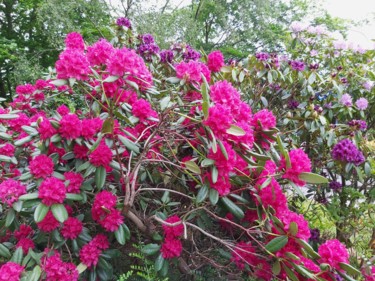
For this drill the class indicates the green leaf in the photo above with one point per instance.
(293, 228)
(59, 212)
(74, 196)
(129, 144)
(223, 150)
(5, 136)
(233, 208)
(307, 247)
(214, 196)
(35, 274)
(30, 130)
(290, 273)
(173, 80)
(159, 262)
(8, 116)
(349, 269)
(150, 249)
(107, 127)
(259, 156)
(110, 79)
(202, 193)
(23, 141)
(5, 159)
(205, 97)
(283, 151)
(59, 82)
(312, 78)
(235, 131)
(312, 178)
(29, 196)
(120, 235)
(277, 243)
(10, 217)
(40, 212)
(126, 231)
(17, 255)
(4, 251)
(164, 102)
(214, 174)
(193, 167)
(207, 162)
(276, 267)
(100, 176)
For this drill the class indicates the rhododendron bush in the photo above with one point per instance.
(165, 150)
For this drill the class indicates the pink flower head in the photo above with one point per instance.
(104, 211)
(90, 253)
(142, 109)
(224, 93)
(100, 52)
(26, 89)
(191, 71)
(215, 61)
(90, 127)
(52, 191)
(171, 248)
(70, 126)
(24, 231)
(100, 241)
(25, 244)
(57, 270)
(63, 110)
(222, 185)
(72, 63)
(265, 118)
(127, 62)
(75, 182)
(101, 156)
(10, 271)
(7, 150)
(287, 217)
(72, 228)
(173, 231)
(41, 166)
(74, 41)
(80, 151)
(219, 119)
(221, 161)
(10, 191)
(46, 130)
(112, 221)
(272, 195)
(346, 100)
(333, 252)
(49, 223)
(361, 103)
(299, 163)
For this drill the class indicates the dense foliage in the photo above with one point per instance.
(199, 164)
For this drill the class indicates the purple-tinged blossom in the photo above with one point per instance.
(346, 100)
(166, 56)
(335, 186)
(297, 65)
(346, 151)
(361, 103)
(358, 124)
(124, 22)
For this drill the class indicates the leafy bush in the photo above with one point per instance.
(163, 145)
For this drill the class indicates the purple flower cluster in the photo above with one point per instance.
(297, 65)
(262, 56)
(190, 54)
(315, 234)
(166, 56)
(358, 124)
(293, 104)
(346, 151)
(335, 186)
(148, 47)
(124, 22)
(346, 100)
(361, 103)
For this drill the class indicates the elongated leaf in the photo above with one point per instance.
(205, 97)
(129, 144)
(312, 178)
(293, 228)
(74, 197)
(235, 131)
(10, 217)
(17, 255)
(40, 212)
(233, 208)
(35, 274)
(81, 268)
(8, 116)
(100, 176)
(59, 212)
(276, 267)
(107, 127)
(349, 269)
(4, 252)
(193, 167)
(308, 249)
(277, 243)
(202, 193)
(214, 196)
(159, 262)
(110, 79)
(29, 196)
(120, 235)
(150, 249)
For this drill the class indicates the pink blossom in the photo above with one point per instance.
(75, 182)
(70, 126)
(57, 270)
(219, 119)
(74, 41)
(80, 151)
(10, 191)
(346, 100)
(299, 163)
(89, 254)
(173, 231)
(24, 231)
(72, 228)
(46, 130)
(49, 223)
(10, 271)
(41, 166)
(63, 110)
(142, 109)
(25, 244)
(100, 52)
(171, 248)
(72, 64)
(215, 61)
(333, 252)
(361, 103)
(191, 71)
(52, 191)
(101, 156)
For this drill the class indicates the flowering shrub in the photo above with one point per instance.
(163, 148)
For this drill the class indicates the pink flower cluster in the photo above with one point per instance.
(56, 269)
(11, 271)
(172, 246)
(299, 163)
(49, 223)
(70, 126)
(215, 61)
(72, 228)
(75, 182)
(10, 191)
(104, 211)
(23, 236)
(90, 253)
(142, 109)
(52, 191)
(333, 252)
(101, 156)
(41, 166)
(191, 72)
